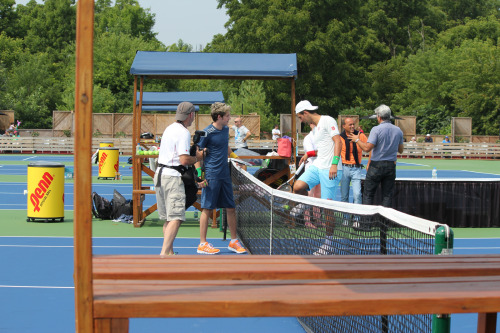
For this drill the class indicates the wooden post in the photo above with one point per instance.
(82, 167)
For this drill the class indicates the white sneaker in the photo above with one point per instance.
(324, 250)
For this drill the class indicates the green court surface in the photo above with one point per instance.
(14, 224)
(486, 166)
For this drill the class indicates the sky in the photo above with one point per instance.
(193, 21)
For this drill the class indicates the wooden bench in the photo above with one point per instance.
(248, 286)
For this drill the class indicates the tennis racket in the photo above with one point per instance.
(286, 187)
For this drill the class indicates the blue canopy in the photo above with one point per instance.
(164, 108)
(215, 65)
(175, 98)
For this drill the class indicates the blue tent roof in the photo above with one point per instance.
(164, 108)
(192, 64)
(175, 98)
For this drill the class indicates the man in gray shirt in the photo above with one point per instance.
(385, 141)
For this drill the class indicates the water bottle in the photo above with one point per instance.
(138, 148)
(434, 173)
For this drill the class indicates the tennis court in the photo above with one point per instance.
(36, 286)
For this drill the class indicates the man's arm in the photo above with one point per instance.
(190, 160)
(400, 148)
(247, 136)
(336, 156)
(365, 146)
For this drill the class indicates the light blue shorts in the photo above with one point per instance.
(314, 176)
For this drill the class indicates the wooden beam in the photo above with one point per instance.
(82, 167)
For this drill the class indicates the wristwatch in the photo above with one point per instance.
(356, 141)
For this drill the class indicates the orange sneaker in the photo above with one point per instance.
(236, 247)
(207, 248)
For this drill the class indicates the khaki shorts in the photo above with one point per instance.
(171, 198)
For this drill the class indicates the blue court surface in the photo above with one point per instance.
(36, 283)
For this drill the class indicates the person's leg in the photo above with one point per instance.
(372, 180)
(345, 183)
(205, 214)
(356, 175)
(175, 198)
(388, 179)
(208, 201)
(231, 221)
(226, 199)
(170, 230)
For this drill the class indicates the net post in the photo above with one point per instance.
(441, 323)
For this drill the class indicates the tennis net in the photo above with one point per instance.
(278, 223)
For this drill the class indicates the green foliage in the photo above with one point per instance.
(125, 17)
(252, 99)
(436, 59)
(120, 134)
(97, 134)
(67, 133)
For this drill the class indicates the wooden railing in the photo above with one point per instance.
(58, 145)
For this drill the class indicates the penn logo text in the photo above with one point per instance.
(102, 160)
(40, 194)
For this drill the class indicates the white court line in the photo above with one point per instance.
(100, 246)
(36, 287)
(29, 158)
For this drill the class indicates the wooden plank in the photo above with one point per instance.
(289, 267)
(109, 325)
(83, 169)
(487, 322)
(115, 299)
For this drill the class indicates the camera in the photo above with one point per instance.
(196, 139)
(198, 135)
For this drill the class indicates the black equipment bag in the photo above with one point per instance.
(101, 207)
(120, 206)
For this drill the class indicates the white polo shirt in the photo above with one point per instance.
(175, 141)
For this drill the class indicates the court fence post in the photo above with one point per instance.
(441, 323)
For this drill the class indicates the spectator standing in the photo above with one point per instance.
(241, 134)
(385, 141)
(446, 140)
(276, 132)
(428, 138)
(219, 192)
(170, 191)
(351, 162)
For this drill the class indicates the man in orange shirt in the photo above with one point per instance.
(351, 162)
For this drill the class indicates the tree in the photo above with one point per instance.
(50, 27)
(32, 91)
(252, 99)
(324, 35)
(125, 17)
(8, 17)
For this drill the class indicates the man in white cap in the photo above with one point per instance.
(170, 191)
(428, 138)
(327, 168)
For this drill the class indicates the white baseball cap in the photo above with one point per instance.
(305, 106)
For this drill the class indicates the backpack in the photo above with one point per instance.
(120, 206)
(101, 207)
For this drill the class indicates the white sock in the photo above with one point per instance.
(233, 240)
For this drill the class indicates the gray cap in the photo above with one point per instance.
(183, 111)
